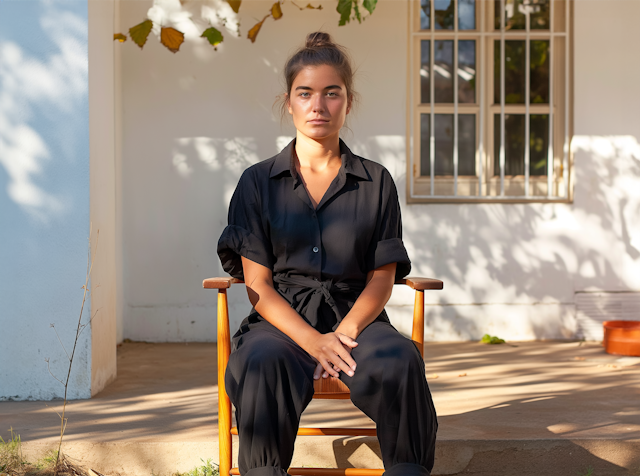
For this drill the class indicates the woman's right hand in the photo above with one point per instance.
(333, 353)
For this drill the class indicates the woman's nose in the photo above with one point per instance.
(318, 104)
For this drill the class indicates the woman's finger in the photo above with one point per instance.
(328, 367)
(346, 340)
(318, 371)
(344, 361)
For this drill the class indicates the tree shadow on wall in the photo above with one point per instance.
(534, 253)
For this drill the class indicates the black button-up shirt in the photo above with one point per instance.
(319, 257)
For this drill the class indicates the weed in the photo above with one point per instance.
(13, 464)
(59, 461)
(208, 468)
(588, 472)
(47, 462)
(11, 454)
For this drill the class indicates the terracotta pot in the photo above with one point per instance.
(622, 337)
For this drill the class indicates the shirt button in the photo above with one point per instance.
(315, 249)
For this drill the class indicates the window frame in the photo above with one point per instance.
(556, 186)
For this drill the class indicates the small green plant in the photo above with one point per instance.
(11, 453)
(487, 339)
(588, 472)
(208, 468)
(48, 461)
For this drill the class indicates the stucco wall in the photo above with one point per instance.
(44, 196)
(102, 110)
(194, 120)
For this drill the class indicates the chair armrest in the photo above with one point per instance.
(420, 284)
(220, 283)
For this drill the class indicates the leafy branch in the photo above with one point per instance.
(172, 38)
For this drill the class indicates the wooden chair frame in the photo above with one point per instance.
(330, 388)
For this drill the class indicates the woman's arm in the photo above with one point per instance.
(367, 307)
(330, 350)
(371, 301)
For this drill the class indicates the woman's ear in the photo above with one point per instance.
(349, 103)
(287, 102)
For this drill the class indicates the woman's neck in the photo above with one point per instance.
(317, 155)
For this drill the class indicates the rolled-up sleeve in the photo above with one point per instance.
(244, 234)
(387, 246)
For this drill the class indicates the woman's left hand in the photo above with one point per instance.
(348, 343)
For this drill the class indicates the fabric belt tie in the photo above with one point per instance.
(314, 291)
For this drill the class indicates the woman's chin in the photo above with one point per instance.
(319, 134)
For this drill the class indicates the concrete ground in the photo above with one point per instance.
(534, 408)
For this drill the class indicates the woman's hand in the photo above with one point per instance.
(333, 353)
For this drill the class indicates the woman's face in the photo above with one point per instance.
(318, 102)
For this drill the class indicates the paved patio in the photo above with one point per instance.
(534, 408)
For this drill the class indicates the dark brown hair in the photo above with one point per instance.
(319, 49)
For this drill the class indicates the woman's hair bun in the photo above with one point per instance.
(319, 39)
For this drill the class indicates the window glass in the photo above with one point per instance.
(539, 148)
(444, 11)
(515, 70)
(515, 14)
(425, 14)
(539, 93)
(444, 144)
(539, 16)
(466, 15)
(466, 144)
(443, 66)
(513, 144)
(425, 149)
(467, 71)
(425, 80)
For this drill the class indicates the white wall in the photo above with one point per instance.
(44, 196)
(102, 101)
(194, 120)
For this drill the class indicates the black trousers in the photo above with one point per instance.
(270, 381)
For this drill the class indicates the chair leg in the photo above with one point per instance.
(224, 404)
(417, 335)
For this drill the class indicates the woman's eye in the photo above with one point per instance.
(332, 94)
(304, 94)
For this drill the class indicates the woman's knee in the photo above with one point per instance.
(389, 364)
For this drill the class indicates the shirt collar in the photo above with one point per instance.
(351, 163)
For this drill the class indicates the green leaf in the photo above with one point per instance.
(235, 5)
(356, 10)
(213, 35)
(344, 9)
(369, 5)
(487, 339)
(140, 32)
(120, 37)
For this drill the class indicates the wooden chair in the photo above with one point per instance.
(330, 388)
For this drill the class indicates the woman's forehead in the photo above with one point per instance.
(320, 76)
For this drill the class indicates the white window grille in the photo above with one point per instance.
(489, 100)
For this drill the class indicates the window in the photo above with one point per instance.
(489, 101)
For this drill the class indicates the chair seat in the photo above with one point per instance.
(330, 388)
(326, 472)
(329, 431)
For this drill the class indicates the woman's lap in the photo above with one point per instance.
(270, 375)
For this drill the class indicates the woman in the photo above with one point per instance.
(316, 234)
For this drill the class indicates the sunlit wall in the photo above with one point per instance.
(44, 197)
(192, 121)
